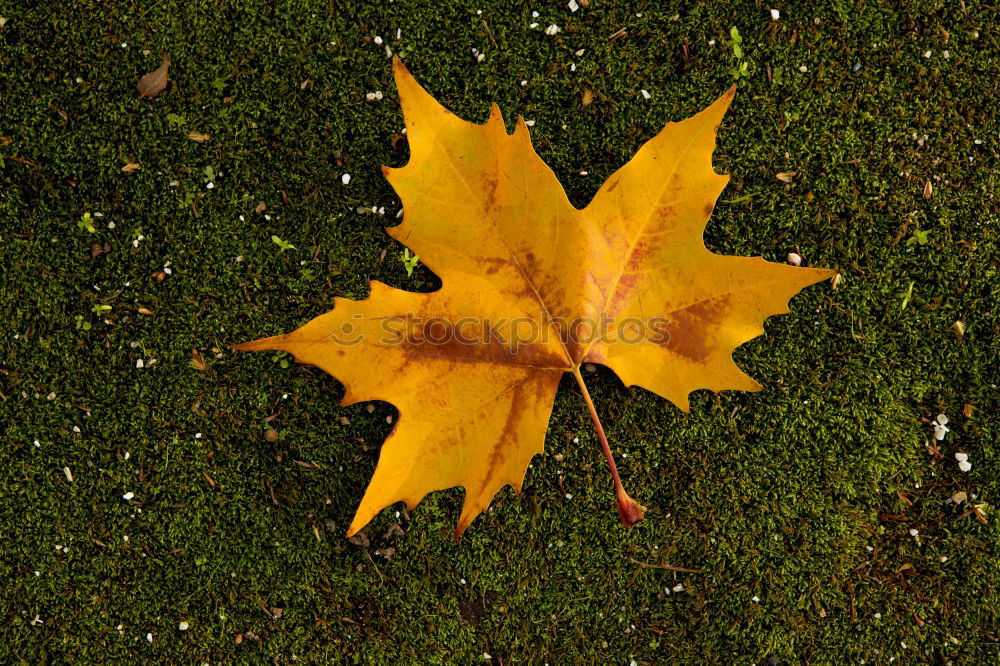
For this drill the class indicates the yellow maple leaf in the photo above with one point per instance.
(532, 288)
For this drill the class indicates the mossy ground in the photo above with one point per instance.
(794, 504)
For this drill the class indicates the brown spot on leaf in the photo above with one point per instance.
(690, 326)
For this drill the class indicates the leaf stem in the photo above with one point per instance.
(630, 512)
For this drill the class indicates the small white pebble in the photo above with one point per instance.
(183, 626)
(711, 42)
(462, 581)
(961, 457)
(914, 532)
(645, 93)
(878, 616)
(942, 419)
(965, 466)
(755, 599)
(944, 558)
(149, 637)
(679, 587)
(532, 25)
(775, 15)
(927, 54)
(378, 40)
(803, 69)
(794, 259)
(129, 495)
(529, 123)
(139, 363)
(573, 6)
(209, 186)
(940, 431)
(69, 474)
(552, 29)
(346, 178)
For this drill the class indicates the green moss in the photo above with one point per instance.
(776, 495)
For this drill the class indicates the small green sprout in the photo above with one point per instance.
(410, 261)
(100, 309)
(742, 68)
(907, 296)
(87, 222)
(175, 120)
(919, 237)
(283, 244)
(81, 324)
(736, 43)
(209, 173)
(281, 358)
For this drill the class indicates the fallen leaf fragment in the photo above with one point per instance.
(492, 221)
(199, 137)
(131, 167)
(197, 362)
(588, 97)
(786, 176)
(928, 189)
(155, 82)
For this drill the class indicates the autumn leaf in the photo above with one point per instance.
(155, 82)
(532, 288)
